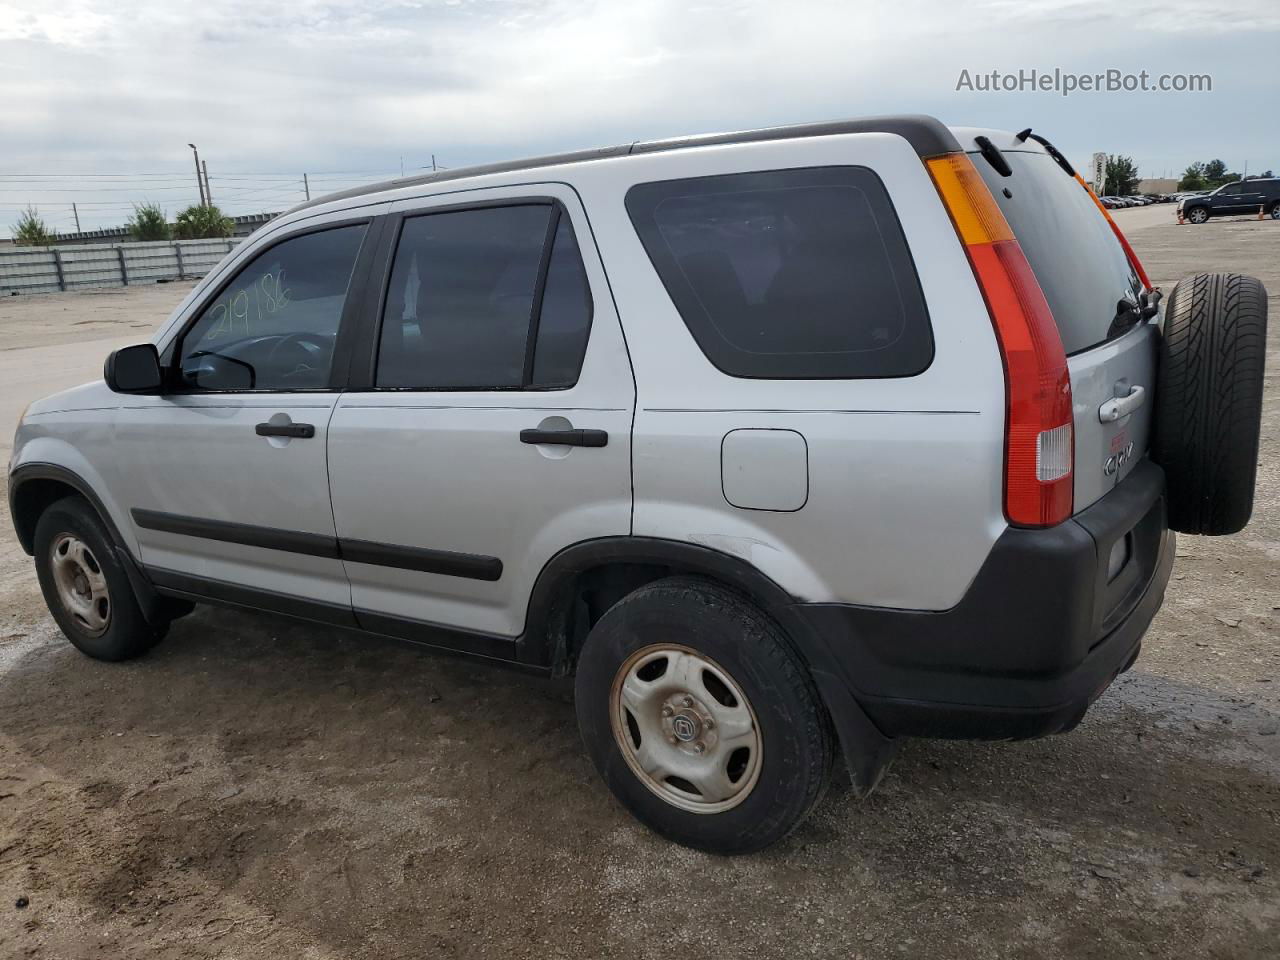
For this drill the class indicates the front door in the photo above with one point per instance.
(226, 475)
(494, 429)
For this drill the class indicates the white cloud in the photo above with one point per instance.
(115, 86)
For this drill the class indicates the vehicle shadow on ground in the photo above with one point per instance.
(319, 786)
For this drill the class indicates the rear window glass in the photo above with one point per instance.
(788, 274)
(1082, 268)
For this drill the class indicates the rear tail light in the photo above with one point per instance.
(1039, 446)
(1128, 250)
(1053, 454)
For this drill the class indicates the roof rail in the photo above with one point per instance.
(927, 136)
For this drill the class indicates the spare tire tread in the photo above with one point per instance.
(1209, 401)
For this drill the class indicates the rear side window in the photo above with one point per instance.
(788, 274)
(492, 298)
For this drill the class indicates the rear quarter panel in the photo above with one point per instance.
(905, 475)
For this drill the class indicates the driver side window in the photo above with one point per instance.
(275, 326)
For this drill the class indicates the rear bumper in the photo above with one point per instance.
(1041, 632)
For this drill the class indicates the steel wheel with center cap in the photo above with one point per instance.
(82, 587)
(86, 587)
(686, 729)
(701, 717)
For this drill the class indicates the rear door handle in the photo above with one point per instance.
(1114, 409)
(570, 438)
(299, 431)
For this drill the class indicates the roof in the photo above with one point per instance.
(927, 136)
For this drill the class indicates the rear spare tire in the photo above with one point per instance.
(1209, 400)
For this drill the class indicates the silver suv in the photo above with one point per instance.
(785, 444)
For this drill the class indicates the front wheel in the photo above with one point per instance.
(86, 588)
(1197, 214)
(701, 718)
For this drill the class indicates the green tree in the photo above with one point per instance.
(31, 231)
(200, 222)
(1121, 176)
(1193, 178)
(1215, 171)
(148, 222)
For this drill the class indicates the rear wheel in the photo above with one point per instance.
(701, 718)
(1209, 400)
(86, 588)
(1275, 210)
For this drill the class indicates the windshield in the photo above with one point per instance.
(1080, 264)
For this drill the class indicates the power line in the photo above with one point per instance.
(45, 175)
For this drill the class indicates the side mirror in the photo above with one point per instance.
(134, 369)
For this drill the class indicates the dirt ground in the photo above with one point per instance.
(263, 789)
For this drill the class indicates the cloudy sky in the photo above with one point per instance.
(349, 91)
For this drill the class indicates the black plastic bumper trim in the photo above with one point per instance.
(1038, 636)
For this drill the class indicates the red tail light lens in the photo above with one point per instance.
(1039, 446)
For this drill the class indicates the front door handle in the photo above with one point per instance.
(298, 431)
(569, 438)
(1114, 409)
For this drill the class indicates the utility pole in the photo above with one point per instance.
(199, 179)
(208, 191)
(77, 214)
(433, 163)
(306, 186)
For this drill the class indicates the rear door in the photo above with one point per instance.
(1236, 198)
(1093, 292)
(493, 428)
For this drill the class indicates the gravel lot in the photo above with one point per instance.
(258, 788)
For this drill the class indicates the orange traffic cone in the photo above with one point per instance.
(1260, 206)
(1180, 218)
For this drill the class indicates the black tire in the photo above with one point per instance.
(127, 632)
(796, 741)
(1209, 400)
(1196, 212)
(1274, 212)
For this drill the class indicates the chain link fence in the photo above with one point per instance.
(51, 269)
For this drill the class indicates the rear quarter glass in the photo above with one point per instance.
(788, 274)
(1080, 265)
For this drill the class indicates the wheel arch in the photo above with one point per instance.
(582, 581)
(33, 487)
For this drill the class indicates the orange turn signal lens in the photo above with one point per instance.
(976, 215)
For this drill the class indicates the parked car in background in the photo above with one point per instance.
(1232, 199)
(690, 422)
